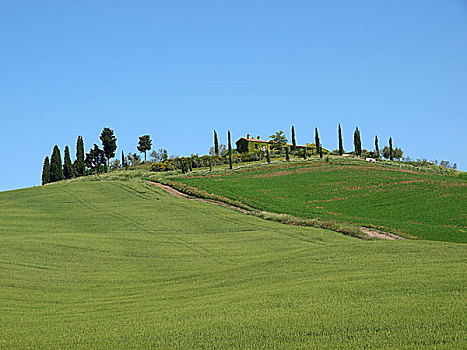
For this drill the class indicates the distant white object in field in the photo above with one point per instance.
(373, 160)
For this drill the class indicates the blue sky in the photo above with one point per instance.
(179, 69)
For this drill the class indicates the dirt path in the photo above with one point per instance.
(179, 194)
(369, 232)
(379, 234)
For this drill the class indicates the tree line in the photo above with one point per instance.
(97, 160)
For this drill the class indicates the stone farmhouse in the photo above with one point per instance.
(251, 144)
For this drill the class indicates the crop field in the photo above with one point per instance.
(122, 264)
(411, 204)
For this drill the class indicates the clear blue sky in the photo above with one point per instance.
(179, 69)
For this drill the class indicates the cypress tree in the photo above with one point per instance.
(321, 152)
(230, 150)
(67, 165)
(376, 146)
(216, 144)
(317, 143)
(80, 166)
(56, 171)
(304, 153)
(341, 146)
(287, 157)
(268, 156)
(46, 171)
(294, 143)
(123, 159)
(357, 142)
(391, 151)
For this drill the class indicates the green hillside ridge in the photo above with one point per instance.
(397, 199)
(121, 264)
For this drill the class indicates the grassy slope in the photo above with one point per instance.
(425, 205)
(121, 264)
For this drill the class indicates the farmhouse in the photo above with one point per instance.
(249, 144)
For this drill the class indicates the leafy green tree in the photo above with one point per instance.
(341, 145)
(287, 157)
(67, 165)
(159, 156)
(376, 147)
(80, 166)
(294, 143)
(391, 151)
(95, 158)
(133, 159)
(109, 143)
(317, 143)
(397, 153)
(230, 150)
(216, 144)
(278, 140)
(46, 171)
(357, 142)
(56, 170)
(268, 155)
(144, 144)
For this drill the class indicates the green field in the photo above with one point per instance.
(114, 264)
(423, 205)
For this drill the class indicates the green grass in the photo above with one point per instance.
(425, 205)
(115, 264)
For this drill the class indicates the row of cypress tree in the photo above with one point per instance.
(357, 143)
(53, 170)
(319, 149)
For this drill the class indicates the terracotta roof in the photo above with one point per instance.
(255, 140)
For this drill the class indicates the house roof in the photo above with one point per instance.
(254, 140)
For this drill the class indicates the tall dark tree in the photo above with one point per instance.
(216, 143)
(56, 170)
(80, 167)
(46, 171)
(109, 143)
(95, 158)
(357, 142)
(67, 165)
(268, 155)
(317, 143)
(144, 144)
(376, 147)
(304, 153)
(321, 152)
(294, 143)
(287, 157)
(391, 150)
(123, 160)
(230, 150)
(341, 145)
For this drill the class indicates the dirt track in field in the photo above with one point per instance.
(369, 232)
(179, 194)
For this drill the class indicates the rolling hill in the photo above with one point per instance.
(409, 203)
(122, 264)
